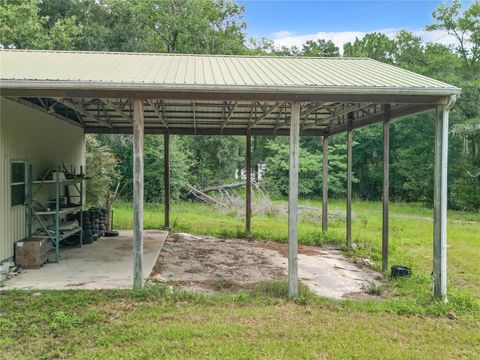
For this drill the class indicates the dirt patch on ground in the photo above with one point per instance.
(209, 265)
(283, 248)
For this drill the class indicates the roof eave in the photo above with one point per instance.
(58, 88)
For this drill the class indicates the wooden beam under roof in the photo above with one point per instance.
(266, 112)
(283, 123)
(232, 109)
(164, 112)
(235, 126)
(42, 103)
(157, 112)
(105, 113)
(337, 115)
(45, 110)
(314, 106)
(396, 112)
(78, 107)
(118, 110)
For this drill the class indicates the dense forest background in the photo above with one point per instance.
(218, 27)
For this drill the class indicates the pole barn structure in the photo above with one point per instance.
(174, 94)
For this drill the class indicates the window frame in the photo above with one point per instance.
(24, 183)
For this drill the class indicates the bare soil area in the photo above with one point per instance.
(209, 265)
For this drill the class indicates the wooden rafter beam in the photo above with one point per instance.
(395, 112)
(283, 123)
(264, 107)
(105, 112)
(80, 110)
(314, 106)
(336, 115)
(45, 110)
(160, 115)
(253, 110)
(117, 109)
(80, 120)
(230, 113)
(267, 112)
(51, 107)
(164, 113)
(43, 103)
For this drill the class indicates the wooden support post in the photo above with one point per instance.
(386, 186)
(166, 160)
(325, 185)
(293, 199)
(440, 204)
(138, 130)
(349, 187)
(248, 185)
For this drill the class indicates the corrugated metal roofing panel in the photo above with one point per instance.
(209, 71)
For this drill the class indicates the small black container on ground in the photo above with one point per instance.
(400, 271)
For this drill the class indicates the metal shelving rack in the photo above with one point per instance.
(42, 216)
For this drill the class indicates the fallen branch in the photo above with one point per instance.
(199, 194)
(223, 187)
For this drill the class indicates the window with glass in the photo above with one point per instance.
(19, 182)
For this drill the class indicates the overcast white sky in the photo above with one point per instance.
(285, 38)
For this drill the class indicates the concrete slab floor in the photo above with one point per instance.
(330, 274)
(208, 265)
(105, 264)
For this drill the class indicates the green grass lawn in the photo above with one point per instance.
(154, 324)
(262, 322)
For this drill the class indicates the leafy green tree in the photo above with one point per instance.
(320, 48)
(265, 46)
(100, 23)
(464, 26)
(177, 26)
(214, 159)
(101, 167)
(377, 46)
(310, 174)
(180, 163)
(22, 27)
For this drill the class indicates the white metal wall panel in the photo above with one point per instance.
(39, 139)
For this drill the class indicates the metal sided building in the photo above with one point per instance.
(50, 99)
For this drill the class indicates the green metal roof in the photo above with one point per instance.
(102, 70)
(211, 94)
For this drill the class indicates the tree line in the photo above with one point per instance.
(219, 27)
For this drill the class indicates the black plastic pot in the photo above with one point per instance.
(400, 271)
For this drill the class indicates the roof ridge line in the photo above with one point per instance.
(126, 53)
